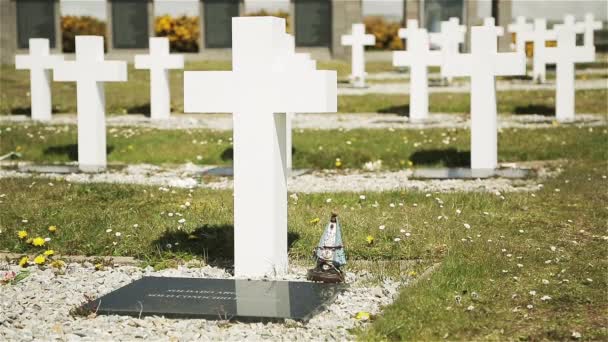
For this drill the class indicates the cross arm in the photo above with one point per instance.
(458, 65)
(44, 62)
(210, 92)
(369, 39)
(308, 92)
(107, 71)
(347, 40)
(510, 63)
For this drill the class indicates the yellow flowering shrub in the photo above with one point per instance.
(386, 33)
(183, 32)
(73, 25)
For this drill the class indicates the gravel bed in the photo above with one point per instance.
(325, 181)
(38, 308)
(463, 87)
(223, 122)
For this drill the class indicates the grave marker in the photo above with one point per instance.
(159, 61)
(90, 71)
(261, 87)
(358, 40)
(538, 37)
(450, 37)
(564, 56)
(588, 26)
(519, 27)
(491, 22)
(40, 63)
(418, 58)
(482, 65)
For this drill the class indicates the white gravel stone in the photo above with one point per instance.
(324, 181)
(223, 122)
(38, 307)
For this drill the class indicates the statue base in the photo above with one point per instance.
(330, 276)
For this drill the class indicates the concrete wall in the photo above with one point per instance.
(344, 14)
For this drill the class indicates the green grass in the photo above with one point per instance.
(526, 226)
(133, 96)
(509, 102)
(315, 149)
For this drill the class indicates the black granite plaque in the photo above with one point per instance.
(218, 22)
(313, 22)
(130, 24)
(223, 299)
(35, 19)
(437, 11)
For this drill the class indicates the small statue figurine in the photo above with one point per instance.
(329, 255)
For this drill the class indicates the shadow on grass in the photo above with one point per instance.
(535, 109)
(447, 157)
(401, 110)
(70, 150)
(228, 154)
(28, 111)
(212, 243)
(140, 109)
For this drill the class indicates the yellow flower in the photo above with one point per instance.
(402, 162)
(23, 261)
(555, 123)
(39, 260)
(49, 252)
(52, 229)
(369, 239)
(362, 316)
(413, 274)
(338, 162)
(57, 264)
(22, 234)
(315, 220)
(410, 163)
(98, 267)
(38, 241)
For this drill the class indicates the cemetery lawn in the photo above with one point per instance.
(313, 149)
(132, 97)
(492, 251)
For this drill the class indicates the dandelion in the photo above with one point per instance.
(24, 261)
(39, 260)
(58, 264)
(22, 234)
(49, 252)
(52, 229)
(362, 316)
(314, 220)
(369, 239)
(338, 162)
(413, 274)
(38, 241)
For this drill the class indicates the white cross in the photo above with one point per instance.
(564, 56)
(519, 27)
(262, 86)
(570, 23)
(299, 60)
(90, 71)
(40, 63)
(418, 57)
(538, 37)
(449, 39)
(588, 26)
(412, 26)
(491, 22)
(358, 40)
(158, 62)
(482, 65)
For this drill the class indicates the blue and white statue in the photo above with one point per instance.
(329, 254)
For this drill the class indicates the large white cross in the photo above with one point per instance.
(564, 56)
(358, 40)
(539, 36)
(90, 71)
(482, 65)
(40, 63)
(519, 27)
(588, 26)
(418, 57)
(259, 90)
(411, 26)
(159, 61)
(450, 37)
